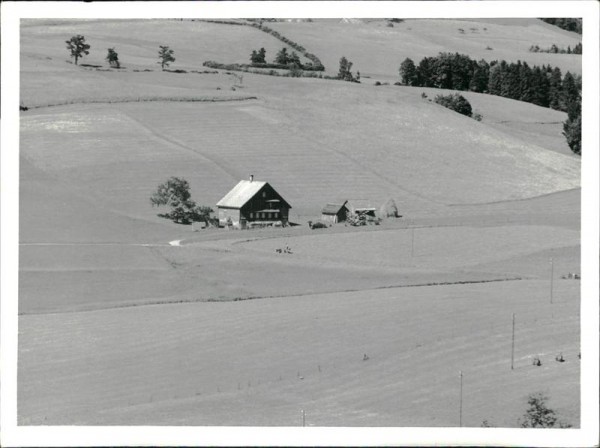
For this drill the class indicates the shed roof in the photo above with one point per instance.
(332, 209)
(241, 193)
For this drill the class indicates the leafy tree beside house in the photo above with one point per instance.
(165, 56)
(77, 46)
(175, 193)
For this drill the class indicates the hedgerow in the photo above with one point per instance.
(317, 65)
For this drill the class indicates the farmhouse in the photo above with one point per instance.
(252, 202)
(334, 213)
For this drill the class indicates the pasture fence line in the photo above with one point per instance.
(141, 99)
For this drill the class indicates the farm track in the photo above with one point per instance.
(173, 141)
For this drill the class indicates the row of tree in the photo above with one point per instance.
(544, 86)
(283, 59)
(577, 49)
(569, 24)
(78, 48)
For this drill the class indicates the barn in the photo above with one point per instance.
(334, 213)
(250, 203)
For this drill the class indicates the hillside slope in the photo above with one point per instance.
(377, 50)
(314, 140)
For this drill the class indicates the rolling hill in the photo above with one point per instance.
(119, 327)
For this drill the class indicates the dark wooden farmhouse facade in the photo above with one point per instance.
(334, 213)
(250, 203)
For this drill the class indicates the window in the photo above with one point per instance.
(251, 215)
(264, 194)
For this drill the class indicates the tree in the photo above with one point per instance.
(344, 72)
(481, 73)
(525, 87)
(294, 60)
(539, 415)
(424, 72)
(555, 93)
(258, 57)
(77, 46)
(175, 193)
(497, 71)
(572, 132)
(113, 58)
(408, 73)
(282, 57)
(570, 92)
(165, 56)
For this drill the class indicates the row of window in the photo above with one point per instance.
(264, 215)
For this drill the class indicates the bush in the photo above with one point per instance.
(455, 102)
(317, 225)
(539, 415)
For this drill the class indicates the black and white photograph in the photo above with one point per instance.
(327, 227)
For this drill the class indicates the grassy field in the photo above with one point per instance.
(260, 362)
(117, 326)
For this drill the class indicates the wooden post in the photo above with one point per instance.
(512, 352)
(303, 418)
(461, 400)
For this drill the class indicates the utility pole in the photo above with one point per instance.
(512, 352)
(303, 418)
(551, 279)
(461, 400)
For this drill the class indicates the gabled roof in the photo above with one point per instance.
(245, 190)
(332, 209)
(241, 193)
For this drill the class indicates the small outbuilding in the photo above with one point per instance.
(252, 202)
(361, 207)
(334, 213)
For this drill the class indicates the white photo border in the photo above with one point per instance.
(14, 435)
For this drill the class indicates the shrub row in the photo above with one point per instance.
(290, 73)
(307, 67)
(577, 49)
(317, 64)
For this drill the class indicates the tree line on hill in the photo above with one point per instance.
(569, 24)
(544, 86)
(577, 49)
(283, 60)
